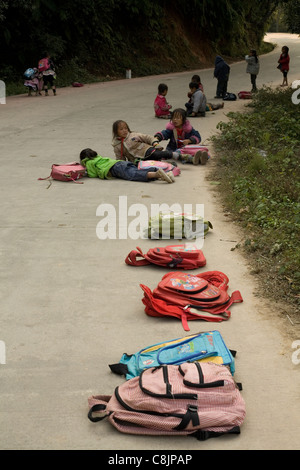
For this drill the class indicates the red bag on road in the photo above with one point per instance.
(245, 95)
(191, 297)
(171, 256)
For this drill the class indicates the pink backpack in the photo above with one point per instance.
(171, 256)
(201, 400)
(166, 166)
(67, 172)
(43, 65)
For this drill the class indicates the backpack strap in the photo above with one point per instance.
(132, 260)
(203, 435)
(97, 404)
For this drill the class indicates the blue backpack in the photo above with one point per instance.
(29, 73)
(207, 346)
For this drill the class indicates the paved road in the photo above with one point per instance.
(69, 304)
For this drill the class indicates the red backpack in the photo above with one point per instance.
(245, 95)
(67, 172)
(188, 296)
(171, 256)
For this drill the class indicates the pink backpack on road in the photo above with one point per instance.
(67, 172)
(190, 399)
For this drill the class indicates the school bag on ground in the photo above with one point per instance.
(166, 166)
(191, 297)
(171, 256)
(200, 400)
(245, 95)
(203, 347)
(167, 225)
(229, 97)
(67, 172)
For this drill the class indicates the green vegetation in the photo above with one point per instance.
(99, 40)
(259, 173)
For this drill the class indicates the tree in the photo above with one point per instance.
(292, 15)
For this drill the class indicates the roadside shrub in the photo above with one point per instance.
(258, 156)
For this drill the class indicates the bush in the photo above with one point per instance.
(258, 165)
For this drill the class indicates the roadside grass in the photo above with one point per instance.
(258, 174)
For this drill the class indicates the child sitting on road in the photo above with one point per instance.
(183, 139)
(134, 146)
(107, 168)
(161, 106)
(197, 103)
(209, 106)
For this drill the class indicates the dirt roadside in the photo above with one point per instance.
(70, 306)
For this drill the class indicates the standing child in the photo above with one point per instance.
(221, 73)
(46, 67)
(183, 139)
(134, 146)
(161, 106)
(284, 64)
(107, 168)
(252, 67)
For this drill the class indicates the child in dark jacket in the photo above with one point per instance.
(221, 73)
(181, 135)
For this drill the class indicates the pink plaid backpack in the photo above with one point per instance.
(201, 400)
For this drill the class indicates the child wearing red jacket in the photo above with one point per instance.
(284, 64)
(161, 106)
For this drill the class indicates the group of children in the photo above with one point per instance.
(196, 106)
(131, 147)
(183, 140)
(41, 77)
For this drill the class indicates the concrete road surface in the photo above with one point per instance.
(70, 306)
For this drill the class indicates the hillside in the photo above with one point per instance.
(100, 38)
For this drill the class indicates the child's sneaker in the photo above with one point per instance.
(196, 157)
(171, 175)
(162, 175)
(203, 157)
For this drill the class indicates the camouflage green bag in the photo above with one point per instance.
(167, 225)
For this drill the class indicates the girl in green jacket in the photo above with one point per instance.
(106, 168)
